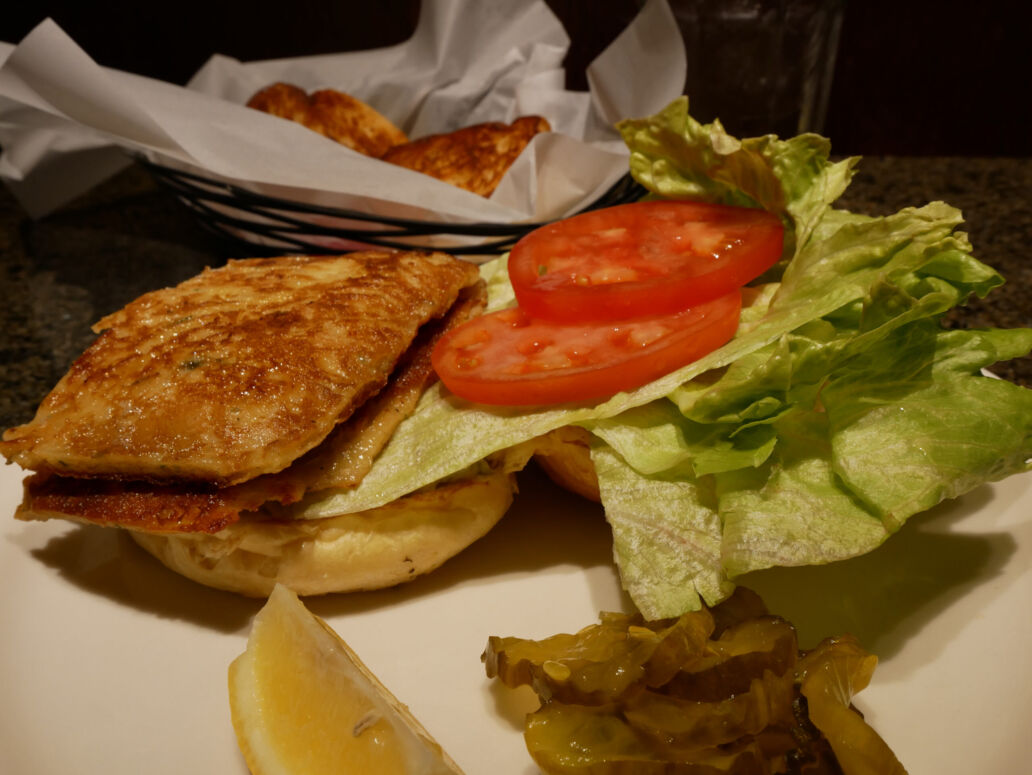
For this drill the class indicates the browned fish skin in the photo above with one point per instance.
(474, 158)
(334, 114)
(144, 506)
(239, 371)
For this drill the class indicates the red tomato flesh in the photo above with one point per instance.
(644, 258)
(510, 358)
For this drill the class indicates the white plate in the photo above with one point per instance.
(111, 664)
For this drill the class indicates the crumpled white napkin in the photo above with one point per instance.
(66, 122)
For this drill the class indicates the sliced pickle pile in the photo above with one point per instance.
(721, 690)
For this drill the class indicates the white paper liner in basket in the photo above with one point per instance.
(466, 62)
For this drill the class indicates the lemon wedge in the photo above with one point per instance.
(303, 702)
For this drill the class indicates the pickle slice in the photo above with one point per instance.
(829, 676)
(739, 656)
(602, 662)
(597, 740)
(677, 722)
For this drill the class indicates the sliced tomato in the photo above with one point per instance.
(644, 258)
(510, 358)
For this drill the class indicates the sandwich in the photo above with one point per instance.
(781, 447)
(205, 413)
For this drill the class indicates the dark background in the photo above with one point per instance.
(912, 78)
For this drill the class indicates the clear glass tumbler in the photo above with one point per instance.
(760, 66)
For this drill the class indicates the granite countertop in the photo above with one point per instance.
(61, 273)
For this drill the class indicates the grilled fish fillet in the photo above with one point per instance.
(332, 113)
(474, 158)
(341, 461)
(237, 372)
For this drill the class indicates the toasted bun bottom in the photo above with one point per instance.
(372, 549)
(565, 455)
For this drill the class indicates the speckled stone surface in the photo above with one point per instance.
(60, 274)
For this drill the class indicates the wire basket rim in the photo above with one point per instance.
(203, 195)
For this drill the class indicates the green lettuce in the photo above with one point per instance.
(840, 408)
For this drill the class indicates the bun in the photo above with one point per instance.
(367, 550)
(565, 455)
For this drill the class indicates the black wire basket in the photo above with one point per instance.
(269, 225)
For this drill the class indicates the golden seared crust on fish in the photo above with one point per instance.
(347, 454)
(474, 158)
(341, 461)
(239, 371)
(334, 114)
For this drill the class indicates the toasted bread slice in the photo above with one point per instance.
(474, 158)
(334, 114)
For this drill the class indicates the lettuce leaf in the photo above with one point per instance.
(840, 408)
